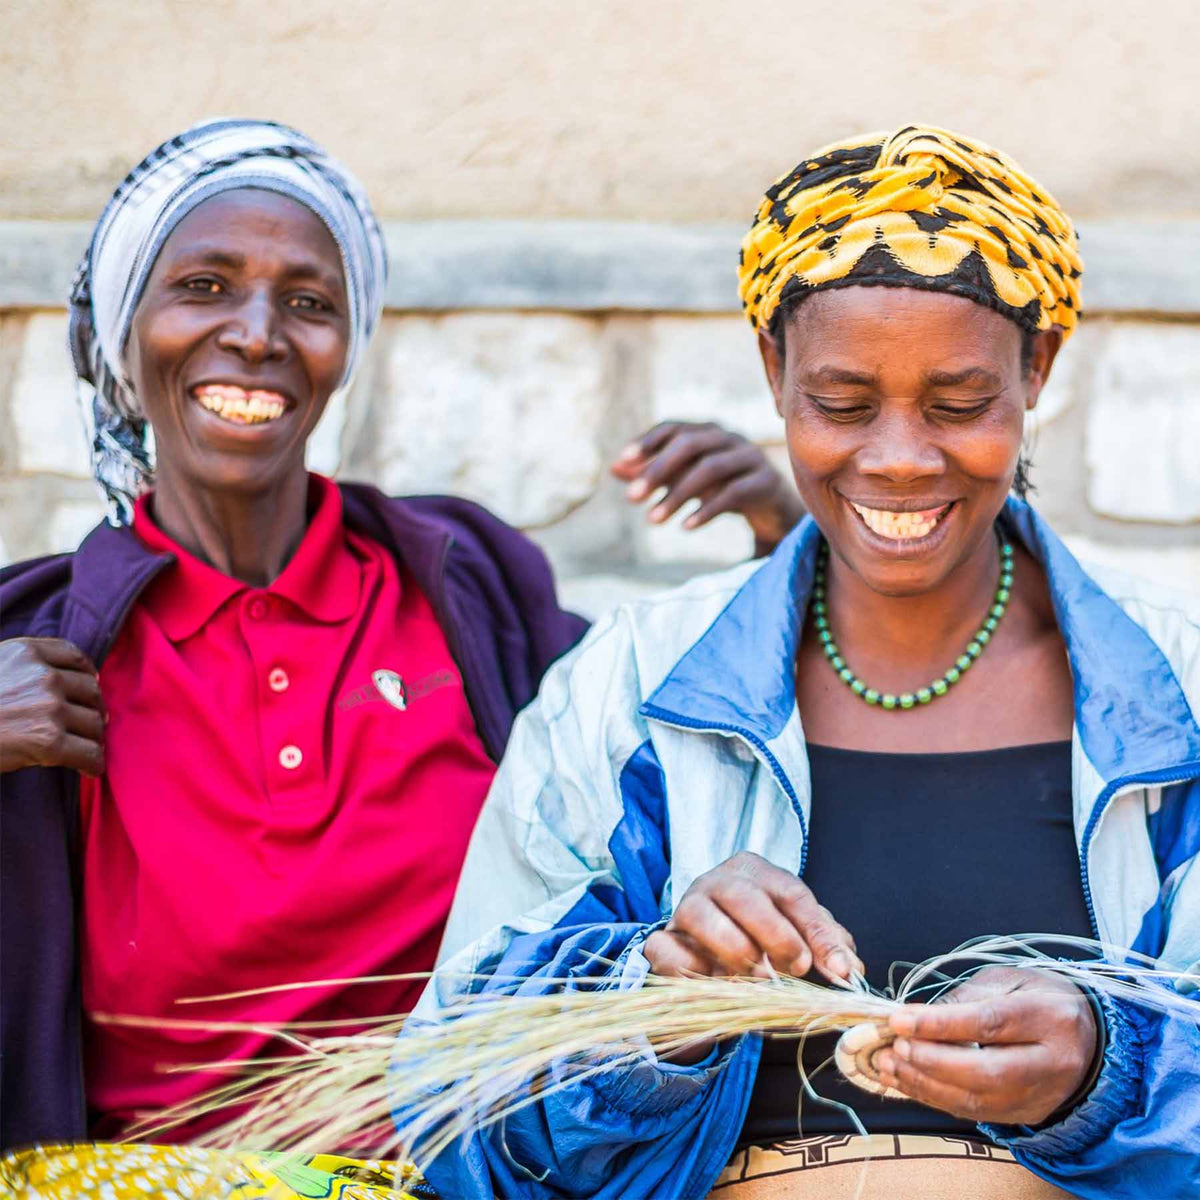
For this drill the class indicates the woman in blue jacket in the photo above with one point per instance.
(920, 721)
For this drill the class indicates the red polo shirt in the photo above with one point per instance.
(293, 775)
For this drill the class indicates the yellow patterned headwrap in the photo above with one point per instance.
(916, 208)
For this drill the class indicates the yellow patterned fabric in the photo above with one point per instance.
(132, 1172)
(916, 208)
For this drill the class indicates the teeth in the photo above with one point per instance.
(900, 526)
(235, 404)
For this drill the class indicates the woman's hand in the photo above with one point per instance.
(744, 914)
(723, 470)
(51, 711)
(1036, 1038)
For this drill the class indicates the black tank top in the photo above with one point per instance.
(915, 854)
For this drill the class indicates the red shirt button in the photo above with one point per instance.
(257, 608)
(290, 758)
(278, 680)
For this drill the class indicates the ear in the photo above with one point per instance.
(1046, 345)
(773, 364)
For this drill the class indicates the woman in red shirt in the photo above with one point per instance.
(303, 688)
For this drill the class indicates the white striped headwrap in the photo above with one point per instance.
(212, 157)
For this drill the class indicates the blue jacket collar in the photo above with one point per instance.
(1132, 716)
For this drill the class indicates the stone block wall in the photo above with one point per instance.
(523, 408)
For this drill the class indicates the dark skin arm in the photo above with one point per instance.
(1036, 1038)
(51, 710)
(723, 470)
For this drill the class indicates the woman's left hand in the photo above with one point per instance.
(721, 469)
(1036, 1038)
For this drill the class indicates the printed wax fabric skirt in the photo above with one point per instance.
(131, 1172)
(883, 1166)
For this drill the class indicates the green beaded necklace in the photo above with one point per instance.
(941, 685)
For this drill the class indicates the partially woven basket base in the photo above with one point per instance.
(855, 1057)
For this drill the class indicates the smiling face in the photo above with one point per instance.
(904, 412)
(238, 341)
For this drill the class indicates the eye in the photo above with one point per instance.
(203, 285)
(963, 411)
(307, 302)
(840, 410)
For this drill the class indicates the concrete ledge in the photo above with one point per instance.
(1145, 267)
(568, 265)
(38, 260)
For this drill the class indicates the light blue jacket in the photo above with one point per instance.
(669, 739)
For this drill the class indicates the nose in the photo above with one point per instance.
(253, 330)
(899, 447)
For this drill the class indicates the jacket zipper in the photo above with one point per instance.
(756, 743)
(1166, 777)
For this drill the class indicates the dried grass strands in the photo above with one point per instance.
(1114, 970)
(490, 1055)
(557, 1044)
(260, 1084)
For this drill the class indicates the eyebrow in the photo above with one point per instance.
(831, 374)
(212, 256)
(979, 375)
(306, 270)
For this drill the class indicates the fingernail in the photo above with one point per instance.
(839, 963)
(690, 523)
(630, 451)
(637, 489)
(903, 1023)
(658, 513)
(884, 1063)
(903, 1047)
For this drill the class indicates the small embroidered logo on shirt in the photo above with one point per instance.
(391, 688)
(394, 690)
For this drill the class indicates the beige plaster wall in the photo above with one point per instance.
(658, 109)
(661, 110)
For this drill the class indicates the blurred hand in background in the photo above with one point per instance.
(724, 471)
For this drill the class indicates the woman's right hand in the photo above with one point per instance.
(51, 710)
(744, 914)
